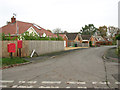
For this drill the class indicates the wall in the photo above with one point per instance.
(118, 43)
(41, 47)
(71, 43)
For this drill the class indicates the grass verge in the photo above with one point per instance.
(15, 60)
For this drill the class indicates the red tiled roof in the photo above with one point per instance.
(62, 35)
(23, 27)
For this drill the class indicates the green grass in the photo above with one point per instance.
(15, 60)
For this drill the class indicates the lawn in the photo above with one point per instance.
(15, 60)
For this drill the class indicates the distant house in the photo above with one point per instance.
(108, 40)
(63, 35)
(16, 28)
(97, 40)
(73, 39)
(70, 39)
(85, 38)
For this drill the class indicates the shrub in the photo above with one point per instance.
(30, 36)
(90, 43)
(118, 37)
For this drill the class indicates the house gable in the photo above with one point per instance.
(32, 30)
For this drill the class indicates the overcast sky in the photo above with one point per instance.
(70, 15)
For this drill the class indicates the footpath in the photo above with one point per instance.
(111, 61)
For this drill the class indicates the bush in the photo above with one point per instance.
(29, 36)
(118, 37)
(90, 43)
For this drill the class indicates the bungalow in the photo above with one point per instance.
(97, 40)
(108, 40)
(16, 28)
(85, 38)
(73, 39)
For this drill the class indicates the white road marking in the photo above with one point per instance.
(51, 82)
(6, 81)
(117, 82)
(15, 86)
(31, 82)
(48, 87)
(104, 82)
(94, 82)
(22, 81)
(24, 86)
(76, 83)
(3, 86)
(83, 87)
(67, 87)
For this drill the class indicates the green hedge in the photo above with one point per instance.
(30, 36)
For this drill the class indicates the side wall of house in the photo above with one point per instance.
(92, 40)
(41, 47)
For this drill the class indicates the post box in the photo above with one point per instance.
(19, 43)
(11, 47)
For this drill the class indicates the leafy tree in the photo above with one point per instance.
(103, 30)
(118, 37)
(89, 29)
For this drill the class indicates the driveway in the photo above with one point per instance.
(78, 69)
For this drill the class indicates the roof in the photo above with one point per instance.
(85, 37)
(99, 38)
(62, 35)
(71, 36)
(107, 39)
(23, 27)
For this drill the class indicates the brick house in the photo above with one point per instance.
(16, 28)
(73, 38)
(98, 40)
(63, 35)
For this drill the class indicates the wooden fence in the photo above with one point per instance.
(41, 47)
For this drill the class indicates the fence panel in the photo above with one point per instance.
(41, 47)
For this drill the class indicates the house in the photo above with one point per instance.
(97, 40)
(85, 38)
(108, 40)
(73, 39)
(16, 28)
(63, 35)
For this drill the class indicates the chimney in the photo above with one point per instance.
(13, 19)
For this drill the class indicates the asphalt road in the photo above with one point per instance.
(78, 69)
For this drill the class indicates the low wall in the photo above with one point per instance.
(41, 47)
(78, 44)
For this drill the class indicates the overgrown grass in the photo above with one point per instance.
(15, 60)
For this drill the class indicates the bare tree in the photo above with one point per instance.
(57, 30)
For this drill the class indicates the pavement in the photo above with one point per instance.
(83, 68)
(71, 48)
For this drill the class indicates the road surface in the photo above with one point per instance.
(78, 69)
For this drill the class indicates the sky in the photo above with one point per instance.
(69, 15)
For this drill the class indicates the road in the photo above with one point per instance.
(78, 69)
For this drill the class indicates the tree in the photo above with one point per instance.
(118, 37)
(49, 30)
(103, 30)
(89, 29)
(57, 30)
(113, 31)
(65, 31)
